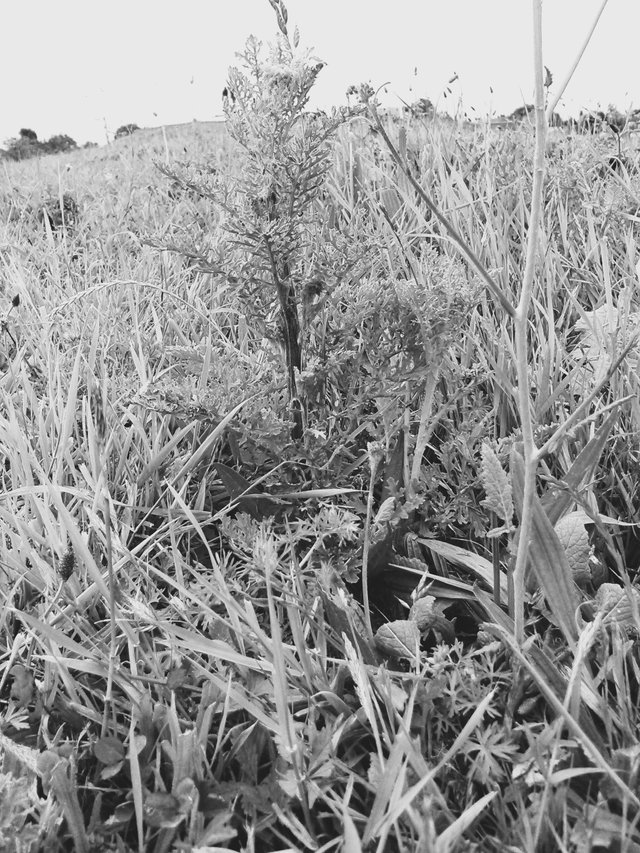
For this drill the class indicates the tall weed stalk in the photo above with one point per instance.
(268, 206)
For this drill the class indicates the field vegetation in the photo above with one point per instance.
(319, 445)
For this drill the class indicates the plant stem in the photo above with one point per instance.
(113, 641)
(290, 339)
(375, 455)
(554, 101)
(366, 545)
(425, 428)
(530, 452)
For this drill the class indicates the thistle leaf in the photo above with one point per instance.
(618, 605)
(497, 485)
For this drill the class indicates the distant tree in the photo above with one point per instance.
(422, 107)
(22, 148)
(26, 145)
(126, 130)
(90, 145)
(521, 113)
(59, 143)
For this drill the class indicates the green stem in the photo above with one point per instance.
(530, 452)
(425, 429)
(554, 101)
(365, 553)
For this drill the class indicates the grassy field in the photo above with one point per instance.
(262, 488)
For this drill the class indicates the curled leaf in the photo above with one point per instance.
(573, 535)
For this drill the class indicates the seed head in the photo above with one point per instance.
(68, 564)
(97, 410)
(375, 452)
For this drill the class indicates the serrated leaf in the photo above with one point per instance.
(496, 484)
(385, 512)
(616, 605)
(393, 468)
(398, 639)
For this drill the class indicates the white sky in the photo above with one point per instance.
(84, 67)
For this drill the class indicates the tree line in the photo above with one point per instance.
(27, 144)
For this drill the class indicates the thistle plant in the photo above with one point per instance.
(268, 208)
(437, 300)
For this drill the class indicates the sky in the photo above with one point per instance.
(86, 67)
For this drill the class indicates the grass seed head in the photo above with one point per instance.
(68, 564)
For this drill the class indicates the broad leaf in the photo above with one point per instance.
(547, 558)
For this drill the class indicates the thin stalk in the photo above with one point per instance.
(495, 560)
(425, 428)
(113, 640)
(554, 101)
(290, 340)
(374, 452)
(530, 452)
(366, 545)
(96, 404)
